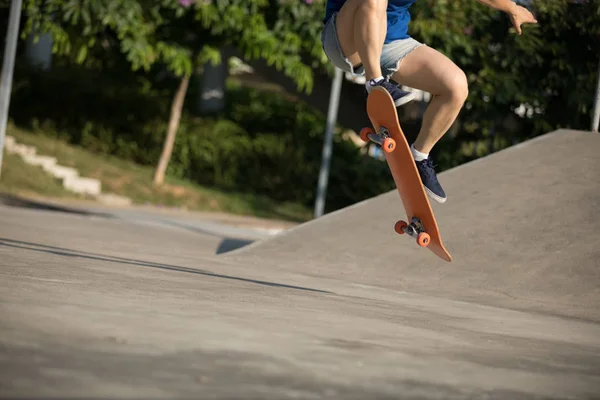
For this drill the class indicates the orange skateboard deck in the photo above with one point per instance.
(420, 223)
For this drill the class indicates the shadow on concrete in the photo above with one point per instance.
(99, 257)
(232, 244)
(227, 244)
(17, 201)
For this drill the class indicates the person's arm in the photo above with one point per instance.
(518, 15)
(506, 6)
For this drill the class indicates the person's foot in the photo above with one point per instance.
(400, 96)
(430, 180)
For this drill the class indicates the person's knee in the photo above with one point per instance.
(458, 87)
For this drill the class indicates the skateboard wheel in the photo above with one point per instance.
(364, 134)
(388, 145)
(398, 227)
(423, 239)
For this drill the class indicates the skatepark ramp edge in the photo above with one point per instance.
(521, 225)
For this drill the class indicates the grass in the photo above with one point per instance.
(128, 179)
(27, 180)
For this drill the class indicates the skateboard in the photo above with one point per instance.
(388, 134)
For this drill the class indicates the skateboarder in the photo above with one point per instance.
(370, 38)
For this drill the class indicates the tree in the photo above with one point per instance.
(519, 86)
(181, 35)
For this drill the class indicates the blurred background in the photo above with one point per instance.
(222, 105)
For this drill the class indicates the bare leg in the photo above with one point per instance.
(361, 30)
(429, 70)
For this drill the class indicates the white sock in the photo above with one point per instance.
(417, 155)
(369, 85)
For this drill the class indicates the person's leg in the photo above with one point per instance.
(417, 66)
(431, 71)
(353, 40)
(361, 29)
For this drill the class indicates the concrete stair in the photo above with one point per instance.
(68, 176)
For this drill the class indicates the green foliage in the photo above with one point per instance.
(121, 114)
(270, 146)
(263, 144)
(182, 38)
(548, 73)
(284, 34)
(299, 26)
(78, 26)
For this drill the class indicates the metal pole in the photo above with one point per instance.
(12, 33)
(334, 101)
(596, 117)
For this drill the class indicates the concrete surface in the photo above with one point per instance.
(77, 184)
(46, 162)
(68, 176)
(112, 199)
(136, 305)
(60, 172)
(522, 227)
(12, 147)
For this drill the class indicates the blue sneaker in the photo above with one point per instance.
(430, 180)
(400, 96)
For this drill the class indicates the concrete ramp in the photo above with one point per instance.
(522, 226)
(93, 306)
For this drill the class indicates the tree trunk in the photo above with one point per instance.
(176, 107)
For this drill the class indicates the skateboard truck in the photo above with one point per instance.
(383, 138)
(387, 133)
(415, 229)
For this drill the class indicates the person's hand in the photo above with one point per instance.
(520, 15)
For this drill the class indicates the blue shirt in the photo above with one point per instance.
(398, 17)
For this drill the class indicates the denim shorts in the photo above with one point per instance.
(391, 54)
